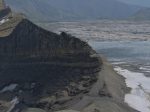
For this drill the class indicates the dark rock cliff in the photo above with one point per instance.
(30, 55)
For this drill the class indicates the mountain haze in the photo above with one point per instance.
(143, 14)
(143, 3)
(56, 10)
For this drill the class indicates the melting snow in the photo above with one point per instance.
(139, 98)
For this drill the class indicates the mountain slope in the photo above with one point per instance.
(72, 9)
(40, 63)
(143, 14)
(143, 3)
(41, 71)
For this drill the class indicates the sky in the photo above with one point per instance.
(145, 3)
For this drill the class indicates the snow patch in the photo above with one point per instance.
(147, 68)
(118, 63)
(147, 71)
(10, 87)
(14, 102)
(3, 21)
(139, 97)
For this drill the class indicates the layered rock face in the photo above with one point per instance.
(42, 63)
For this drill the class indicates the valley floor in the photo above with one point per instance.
(103, 30)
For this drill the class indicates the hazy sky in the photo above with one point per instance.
(138, 2)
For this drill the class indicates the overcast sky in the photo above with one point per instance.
(138, 2)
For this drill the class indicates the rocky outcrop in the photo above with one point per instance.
(43, 64)
(41, 71)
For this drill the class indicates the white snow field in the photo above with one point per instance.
(139, 97)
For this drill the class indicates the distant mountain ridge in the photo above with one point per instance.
(143, 14)
(56, 10)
